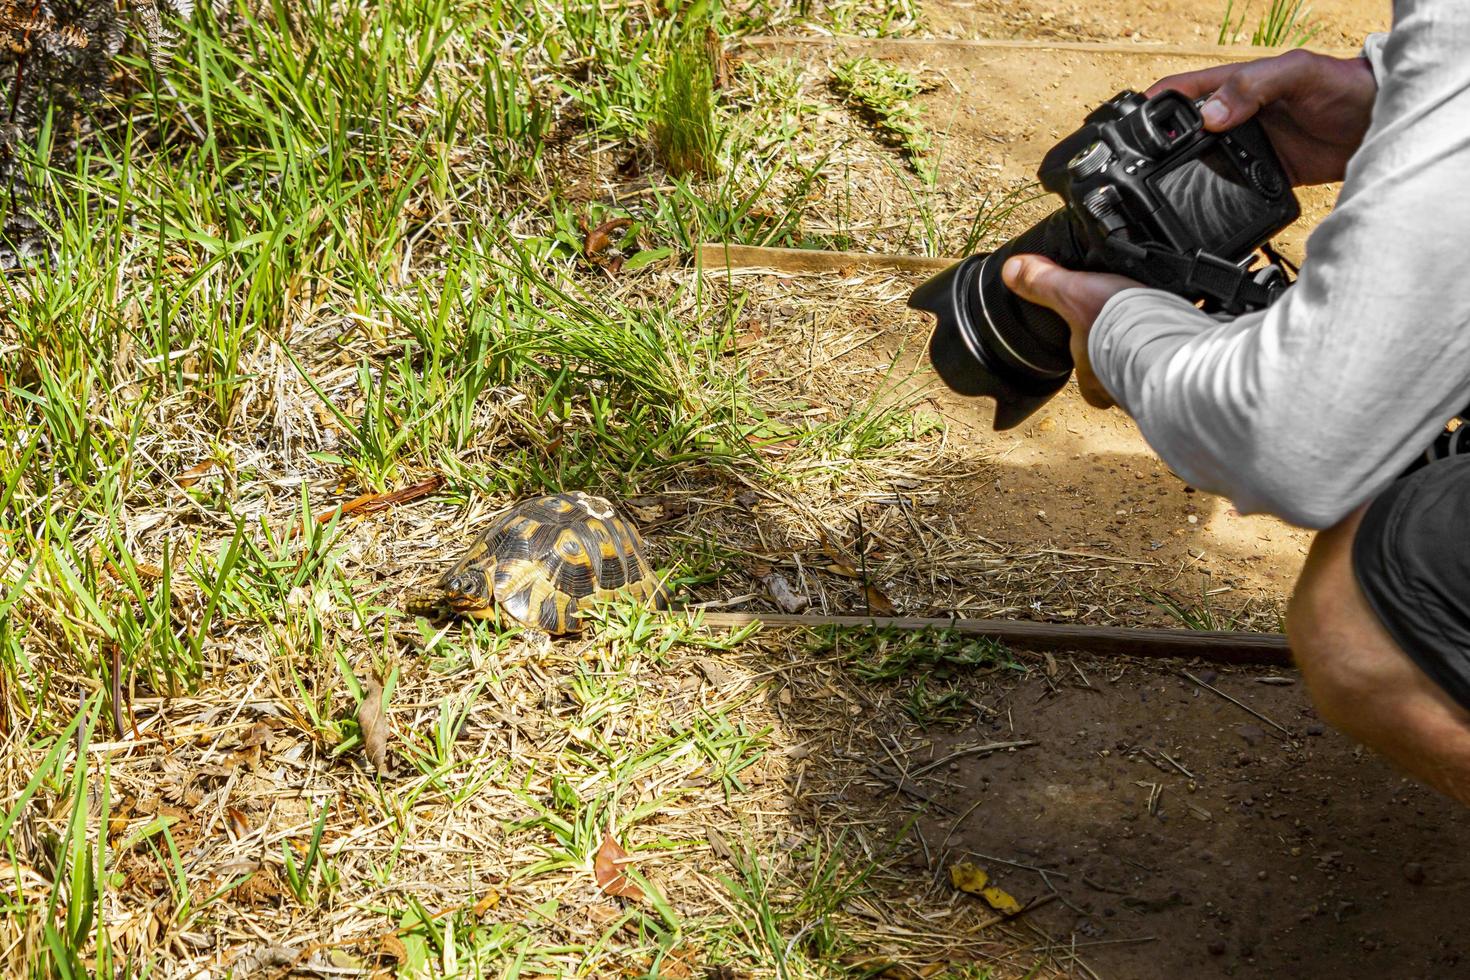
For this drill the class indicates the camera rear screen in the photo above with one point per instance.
(1211, 198)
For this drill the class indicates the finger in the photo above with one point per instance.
(1035, 278)
(1195, 83)
(1256, 84)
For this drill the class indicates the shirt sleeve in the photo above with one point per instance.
(1309, 408)
(1373, 51)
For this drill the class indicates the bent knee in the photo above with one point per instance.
(1339, 644)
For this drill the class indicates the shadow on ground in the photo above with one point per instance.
(1171, 831)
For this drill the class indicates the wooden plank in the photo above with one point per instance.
(1229, 647)
(1218, 52)
(736, 258)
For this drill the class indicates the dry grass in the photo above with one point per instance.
(374, 275)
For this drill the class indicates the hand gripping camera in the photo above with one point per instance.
(1148, 194)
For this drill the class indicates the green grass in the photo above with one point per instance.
(334, 249)
(685, 130)
(1284, 23)
(928, 666)
(883, 94)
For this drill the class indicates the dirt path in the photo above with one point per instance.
(1337, 21)
(1273, 857)
(1174, 833)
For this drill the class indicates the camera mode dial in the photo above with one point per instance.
(1089, 160)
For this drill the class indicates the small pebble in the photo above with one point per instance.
(1414, 873)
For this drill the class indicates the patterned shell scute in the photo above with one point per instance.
(555, 554)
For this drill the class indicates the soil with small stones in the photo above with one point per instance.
(1186, 837)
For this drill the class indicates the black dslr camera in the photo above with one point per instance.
(1148, 194)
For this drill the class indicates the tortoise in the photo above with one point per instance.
(547, 558)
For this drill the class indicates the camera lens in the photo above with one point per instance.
(989, 341)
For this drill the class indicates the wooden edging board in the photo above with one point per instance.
(1218, 646)
(1219, 52)
(717, 255)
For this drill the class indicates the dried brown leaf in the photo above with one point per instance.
(725, 972)
(488, 902)
(878, 603)
(195, 473)
(750, 335)
(717, 673)
(719, 59)
(679, 964)
(785, 597)
(237, 822)
(719, 845)
(257, 734)
(842, 563)
(607, 868)
(372, 720)
(599, 239)
(370, 503)
(390, 946)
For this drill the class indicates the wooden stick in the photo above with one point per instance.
(1218, 52)
(1220, 646)
(712, 256)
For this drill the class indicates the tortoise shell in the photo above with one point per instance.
(549, 557)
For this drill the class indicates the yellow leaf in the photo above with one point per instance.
(969, 878)
(974, 880)
(1000, 900)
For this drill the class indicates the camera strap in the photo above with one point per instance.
(1200, 273)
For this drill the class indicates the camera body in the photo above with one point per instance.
(1147, 169)
(1147, 193)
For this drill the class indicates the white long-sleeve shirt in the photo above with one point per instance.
(1311, 407)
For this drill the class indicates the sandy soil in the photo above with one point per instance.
(1338, 22)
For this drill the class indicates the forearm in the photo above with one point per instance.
(1276, 427)
(1311, 407)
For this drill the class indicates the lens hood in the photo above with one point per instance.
(959, 352)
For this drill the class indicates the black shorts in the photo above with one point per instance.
(1412, 560)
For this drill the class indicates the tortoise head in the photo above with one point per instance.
(470, 588)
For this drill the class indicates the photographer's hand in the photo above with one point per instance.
(1314, 108)
(1077, 297)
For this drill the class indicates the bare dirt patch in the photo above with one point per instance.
(1337, 21)
(1171, 832)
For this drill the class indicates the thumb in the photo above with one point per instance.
(1037, 279)
(1250, 86)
